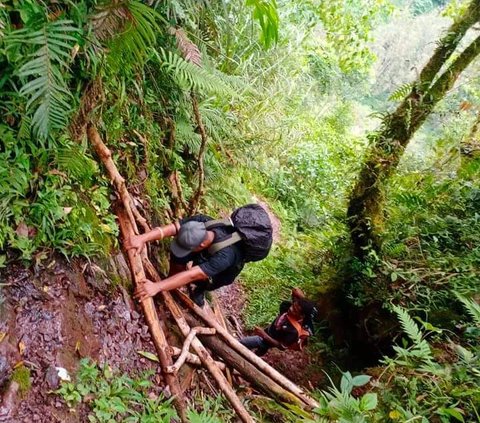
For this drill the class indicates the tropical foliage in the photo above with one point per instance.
(208, 105)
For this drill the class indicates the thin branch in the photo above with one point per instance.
(194, 359)
(201, 171)
(186, 345)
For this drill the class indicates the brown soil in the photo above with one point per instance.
(52, 319)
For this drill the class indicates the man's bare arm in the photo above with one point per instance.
(137, 242)
(273, 342)
(149, 289)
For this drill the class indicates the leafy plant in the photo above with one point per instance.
(113, 397)
(131, 30)
(420, 349)
(43, 72)
(340, 405)
(265, 12)
(188, 75)
(472, 308)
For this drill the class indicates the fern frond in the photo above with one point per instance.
(401, 92)
(412, 200)
(72, 159)
(190, 76)
(25, 128)
(408, 325)
(109, 19)
(471, 306)
(129, 27)
(48, 94)
(220, 125)
(186, 136)
(421, 349)
(189, 50)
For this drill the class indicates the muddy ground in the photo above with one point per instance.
(62, 312)
(54, 318)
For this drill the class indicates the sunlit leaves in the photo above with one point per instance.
(265, 12)
(348, 26)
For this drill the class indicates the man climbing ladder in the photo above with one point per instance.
(216, 249)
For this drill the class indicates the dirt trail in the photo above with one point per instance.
(54, 318)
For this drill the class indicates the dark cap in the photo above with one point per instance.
(190, 236)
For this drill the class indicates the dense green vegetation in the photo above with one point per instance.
(277, 101)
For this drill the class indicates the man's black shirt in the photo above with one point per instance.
(222, 267)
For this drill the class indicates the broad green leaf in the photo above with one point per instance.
(361, 380)
(454, 412)
(368, 401)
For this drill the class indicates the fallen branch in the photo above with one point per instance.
(186, 345)
(247, 354)
(217, 310)
(115, 178)
(193, 358)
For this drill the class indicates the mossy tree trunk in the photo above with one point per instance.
(365, 210)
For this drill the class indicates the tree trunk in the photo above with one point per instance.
(365, 210)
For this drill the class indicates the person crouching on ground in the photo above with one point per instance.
(290, 329)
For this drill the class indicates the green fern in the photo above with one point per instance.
(186, 136)
(471, 306)
(25, 128)
(190, 76)
(47, 93)
(130, 28)
(421, 349)
(72, 159)
(401, 92)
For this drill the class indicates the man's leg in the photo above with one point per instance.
(197, 294)
(256, 343)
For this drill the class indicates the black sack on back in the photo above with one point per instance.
(252, 227)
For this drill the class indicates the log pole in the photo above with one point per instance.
(200, 350)
(128, 228)
(249, 355)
